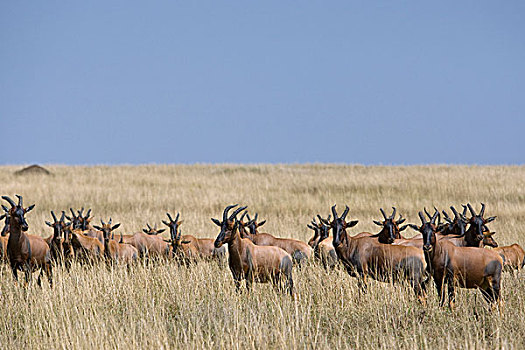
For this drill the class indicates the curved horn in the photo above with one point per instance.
(177, 217)
(428, 214)
(9, 200)
(422, 218)
(149, 227)
(237, 211)
(455, 211)
(256, 216)
(464, 209)
(343, 217)
(334, 213)
(20, 201)
(169, 217)
(63, 216)
(482, 210)
(72, 212)
(243, 215)
(433, 220)
(393, 213)
(383, 212)
(226, 210)
(88, 213)
(53, 215)
(110, 220)
(5, 208)
(471, 210)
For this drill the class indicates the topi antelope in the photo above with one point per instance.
(113, 250)
(249, 261)
(383, 262)
(468, 267)
(299, 250)
(190, 246)
(84, 248)
(322, 244)
(26, 252)
(55, 241)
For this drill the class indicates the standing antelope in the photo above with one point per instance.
(26, 252)
(249, 261)
(190, 247)
(55, 241)
(468, 267)
(86, 249)
(322, 244)
(299, 250)
(113, 250)
(382, 262)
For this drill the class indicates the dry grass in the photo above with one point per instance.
(175, 307)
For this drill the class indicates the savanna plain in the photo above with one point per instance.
(163, 305)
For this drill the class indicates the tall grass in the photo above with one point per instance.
(166, 306)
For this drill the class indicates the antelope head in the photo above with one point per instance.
(339, 226)
(57, 225)
(390, 225)
(458, 225)
(106, 228)
(175, 233)
(228, 225)
(253, 224)
(428, 230)
(477, 222)
(76, 220)
(17, 213)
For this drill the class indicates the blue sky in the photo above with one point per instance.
(100, 82)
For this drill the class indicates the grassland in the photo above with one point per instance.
(167, 306)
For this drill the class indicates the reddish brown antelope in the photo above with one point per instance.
(322, 244)
(383, 262)
(55, 241)
(26, 252)
(190, 247)
(249, 261)
(85, 249)
(299, 250)
(467, 267)
(514, 256)
(113, 250)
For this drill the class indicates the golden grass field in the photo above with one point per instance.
(167, 306)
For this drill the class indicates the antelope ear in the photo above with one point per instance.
(167, 240)
(402, 228)
(378, 223)
(413, 227)
(311, 227)
(261, 223)
(49, 224)
(165, 223)
(28, 209)
(161, 230)
(115, 227)
(180, 222)
(185, 242)
(216, 222)
(352, 223)
(401, 221)
(69, 218)
(97, 227)
(492, 218)
(144, 230)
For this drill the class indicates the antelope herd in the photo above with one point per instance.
(450, 253)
